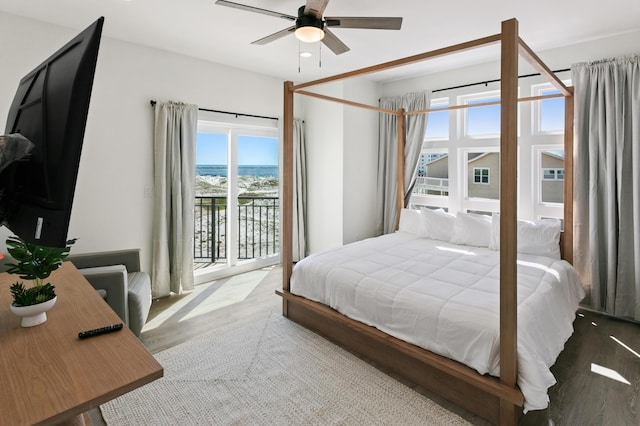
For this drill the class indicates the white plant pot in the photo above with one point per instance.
(34, 314)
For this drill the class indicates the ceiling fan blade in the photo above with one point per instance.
(275, 36)
(334, 43)
(255, 9)
(382, 23)
(315, 8)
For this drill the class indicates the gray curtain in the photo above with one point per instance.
(388, 154)
(299, 191)
(607, 183)
(174, 182)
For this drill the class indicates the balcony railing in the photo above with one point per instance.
(258, 228)
(431, 186)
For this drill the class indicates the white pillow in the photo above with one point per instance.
(539, 238)
(437, 224)
(472, 230)
(410, 222)
(494, 242)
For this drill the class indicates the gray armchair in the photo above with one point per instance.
(117, 277)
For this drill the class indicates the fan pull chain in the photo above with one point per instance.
(299, 55)
(319, 54)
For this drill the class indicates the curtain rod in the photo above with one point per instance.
(237, 114)
(494, 81)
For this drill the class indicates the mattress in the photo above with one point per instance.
(445, 298)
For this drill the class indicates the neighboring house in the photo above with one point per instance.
(552, 164)
(483, 175)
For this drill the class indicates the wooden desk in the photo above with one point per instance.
(48, 375)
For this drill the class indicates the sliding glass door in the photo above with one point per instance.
(237, 197)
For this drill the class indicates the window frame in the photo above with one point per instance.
(463, 114)
(235, 127)
(536, 110)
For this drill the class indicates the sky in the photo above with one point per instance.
(486, 120)
(252, 150)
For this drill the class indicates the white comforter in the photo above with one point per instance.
(445, 298)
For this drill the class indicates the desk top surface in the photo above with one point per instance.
(48, 374)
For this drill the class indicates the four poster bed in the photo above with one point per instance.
(398, 265)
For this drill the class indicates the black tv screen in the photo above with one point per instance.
(50, 109)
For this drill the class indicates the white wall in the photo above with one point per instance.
(110, 210)
(360, 166)
(324, 143)
(342, 163)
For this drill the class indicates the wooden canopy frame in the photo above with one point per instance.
(498, 401)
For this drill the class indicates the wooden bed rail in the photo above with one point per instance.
(457, 48)
(480, 394)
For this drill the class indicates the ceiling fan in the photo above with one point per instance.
(310, 26)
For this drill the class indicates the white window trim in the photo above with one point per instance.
(463, 114)
(540, 208)
(465, 202)
(238, 126)
(459, 144)
(440, 201)
(536, 110)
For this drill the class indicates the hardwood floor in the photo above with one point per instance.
(176, 319)
(588, 392)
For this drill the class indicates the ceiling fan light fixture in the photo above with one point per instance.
(309, 28)
(309, 34)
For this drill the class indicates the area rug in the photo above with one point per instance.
(271, 372)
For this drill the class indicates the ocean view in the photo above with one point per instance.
(211, 180)
(221, 170)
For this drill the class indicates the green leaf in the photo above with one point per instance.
(34, 262)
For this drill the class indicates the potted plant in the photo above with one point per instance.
(36, 263)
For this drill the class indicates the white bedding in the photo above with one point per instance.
(445, 298)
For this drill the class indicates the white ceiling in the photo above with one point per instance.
(204, 30)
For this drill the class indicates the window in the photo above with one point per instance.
(423, 206)
(433, 174)
(480, 212)
(481, 175)
(482, 121)
(459, 170)
(438, 121)
(548, 113)
(551, 113)
(552, 174)
(237, 194)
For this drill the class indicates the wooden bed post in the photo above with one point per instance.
(508, 214)
(286, 245)
(401, 143)
(567, 235)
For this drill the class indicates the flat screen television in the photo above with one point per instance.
(50, 109)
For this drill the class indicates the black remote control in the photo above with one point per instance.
(98, 331)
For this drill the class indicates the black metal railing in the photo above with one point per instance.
(258, 228)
